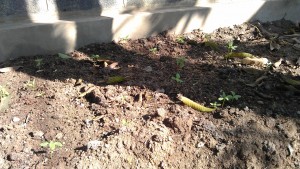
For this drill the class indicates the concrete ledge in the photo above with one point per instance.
(24, 38)
(65, 36)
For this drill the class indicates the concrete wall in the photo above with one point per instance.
(34, 27)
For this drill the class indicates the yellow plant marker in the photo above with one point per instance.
(194, 105)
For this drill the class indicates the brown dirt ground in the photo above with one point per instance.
(139, 123)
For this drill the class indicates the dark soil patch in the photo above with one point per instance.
(139, 122)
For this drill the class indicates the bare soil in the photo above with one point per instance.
(139, 122)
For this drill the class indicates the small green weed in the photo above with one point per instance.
(153, 50)
(180, 62)
(229, 97)
(64, 56)
(126, 38)
(52, 145)
(231, 47)
(30, 84)
(180, 39)
(38, 63)
(3, 93)
(177, 78)
(215, 104)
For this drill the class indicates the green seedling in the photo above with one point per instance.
(63, 56)
(180, 39)
(235, 96)
(3, 93)
(215, 104)
(231, 47)
(153, 50)
(52, 145)
(38, 63)
(180, 62)
(30, 84)
(95, 57)
(126, 38)
(98, 57)
(229, 97)
(125, 122)
(177, 78)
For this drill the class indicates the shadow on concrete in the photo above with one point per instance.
(11, 11)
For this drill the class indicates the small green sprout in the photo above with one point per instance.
(3, 93)
(64, 56)
(215, 104)
(229, 97)
(52, 145)
(231, 47)
(235, 96)
(126, 38)
(153, 50)
(180, 39)
(38, 63)
(30, 84)
(125, 122)
(95, 57)
(177, 78)
(180, 62)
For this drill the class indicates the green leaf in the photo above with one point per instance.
(44, 144)
(63, 56)
(52, 146)
(58, 144)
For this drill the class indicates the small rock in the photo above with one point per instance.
(232, 110)
(260, 102)
(148, 69)
(291, 150)
(161, 112)
(59, 136)
(269, 147)
(200, 144)
(15, 156)
(270, 122)
(16, 119)
(94, 144)
(220, 147)
(37, 134)
(223, 113)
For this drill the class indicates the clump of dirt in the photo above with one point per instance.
(115, 105)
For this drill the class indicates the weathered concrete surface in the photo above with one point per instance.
(51, 32)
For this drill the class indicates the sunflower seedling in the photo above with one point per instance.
(180, 39)
(229, 97)
(180, 62)
(38, 63)
(153, 50)
(231, 47)
(3, 93)
(30, 84)
(215, 104)
(177, 78)
(52, 145)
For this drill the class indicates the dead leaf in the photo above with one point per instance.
(9, 69)
(255, 61)
(105, 64)
(114, 66)
(278, 63)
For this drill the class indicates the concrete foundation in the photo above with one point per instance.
(52, 26)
